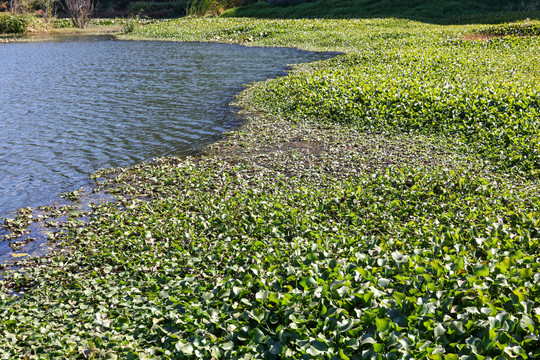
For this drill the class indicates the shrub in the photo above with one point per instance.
(131, 24)
(199, 7)
(177, 7)
(524, 28)
(14, 24)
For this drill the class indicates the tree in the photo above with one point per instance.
(49, 9)
(79, 11)
(20, 6)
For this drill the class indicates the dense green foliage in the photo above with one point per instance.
(526, 28)
(133, 22)
(14, 24)
(430, 10)
(383, 204)
(480, 94)
(230, 260)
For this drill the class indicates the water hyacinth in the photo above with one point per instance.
(373, 206)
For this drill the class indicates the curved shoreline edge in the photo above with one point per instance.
(29, 235)
(298, 238)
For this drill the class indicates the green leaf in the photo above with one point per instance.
(256, 335)
(525, 273)
(262, 295)
(439, 330)
(275, 347)
(460, 264)
(366, 339)
(382, 282)
(317, 348)
(258, 314)
(527, 323)
(227, 345)
(342, 355)
(308, 282)
(481, 270)
(313, 351)
(368, 295)
(274, 297)
(399, 297)
(378, 348)
(185, 348)
(383, 324)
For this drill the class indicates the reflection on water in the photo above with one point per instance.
(74, 105)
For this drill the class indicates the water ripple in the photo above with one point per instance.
(75, 105)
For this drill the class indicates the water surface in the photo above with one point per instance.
(77, 104)
(74, 105)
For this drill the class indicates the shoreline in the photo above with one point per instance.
(303, 232)
(29, 236)
(96, 30)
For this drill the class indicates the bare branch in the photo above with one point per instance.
(79, 11)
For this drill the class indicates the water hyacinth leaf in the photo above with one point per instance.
(514, 351)
(342, 355)
(275, 347)
(308, 282)
(525, 273)
(481, 270)
(256, 335)
(520, 295)
(527, 323)
(383, 204)
(258, 314)
(367, 339)
(227, 345)
(262, 295)
(185, 348)
(317, 348)
(378, 348)
(273, 297)
(460, 264)
(439, 330)
(383, 282)
(383, 324)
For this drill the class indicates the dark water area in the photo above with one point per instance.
(74, 105)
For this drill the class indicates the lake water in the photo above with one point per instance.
(73, 105)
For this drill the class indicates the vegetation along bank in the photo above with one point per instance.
(383, 204)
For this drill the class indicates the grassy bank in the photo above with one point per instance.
(21, 24)
(382, 204)
(442, 12)
(31, 28)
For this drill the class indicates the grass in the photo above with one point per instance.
(382, 204)
(446, 12)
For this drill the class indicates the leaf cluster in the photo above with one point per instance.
(228, 261)
(302, 235)
(15, 23)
